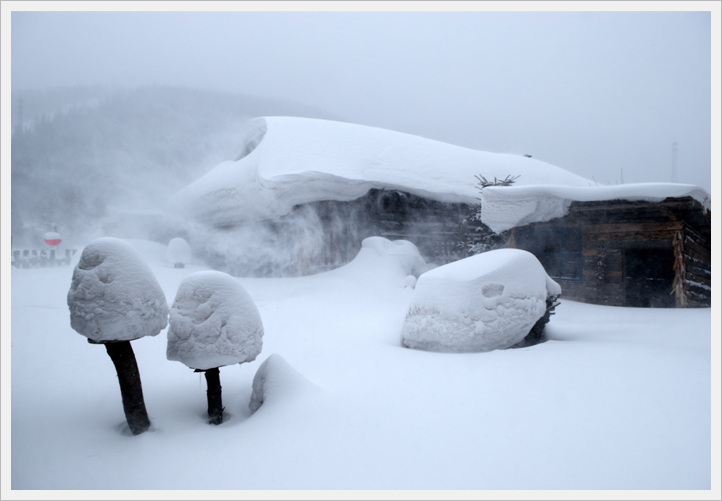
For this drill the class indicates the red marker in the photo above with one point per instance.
(52, 238)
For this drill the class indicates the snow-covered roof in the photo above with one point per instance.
(505, 207)
(288, 161)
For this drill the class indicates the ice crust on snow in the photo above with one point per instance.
(213, 322)
(505, 207)
(484, 302)
(114, 295)
(287, 161)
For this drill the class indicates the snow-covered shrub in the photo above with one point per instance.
(114, 295)
(179, 252)
(115, 298)
(484, 302)
(213, 323)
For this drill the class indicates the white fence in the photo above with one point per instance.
(42, 258)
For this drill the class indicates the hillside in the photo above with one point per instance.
(84, 154)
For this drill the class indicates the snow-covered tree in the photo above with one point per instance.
(113, 299)
(213, 323)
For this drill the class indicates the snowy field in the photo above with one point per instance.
(618, 398)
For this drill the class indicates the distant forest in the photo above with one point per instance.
(83, 154)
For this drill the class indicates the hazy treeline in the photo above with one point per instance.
(81, 155)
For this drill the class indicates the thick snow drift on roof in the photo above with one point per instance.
(213, 322)
(505, 207)
(484, 302)
(114, 295)
(288, 161)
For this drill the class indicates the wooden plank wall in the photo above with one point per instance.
(698, 256)
(611, 228)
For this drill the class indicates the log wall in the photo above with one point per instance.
(618, 233)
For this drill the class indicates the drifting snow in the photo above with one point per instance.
(114, 295)
(213, 322)
(289, 161)
(505, 207)
(485, 302)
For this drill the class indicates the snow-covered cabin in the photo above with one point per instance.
(645, 245)
(304, 193)
(307, 192)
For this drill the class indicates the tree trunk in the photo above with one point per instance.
(121, 353)
(215, 401)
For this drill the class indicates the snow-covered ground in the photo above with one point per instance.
(618, 398)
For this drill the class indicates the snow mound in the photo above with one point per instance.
(276, 380)
(507, 207)
(484, 302)
(289, 161)
(114, 295)
(213, 322)
(381, 259)
(410, 282)
(179, 252)
(402, 252)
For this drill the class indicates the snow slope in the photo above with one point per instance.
(287, 161)
(618, 398)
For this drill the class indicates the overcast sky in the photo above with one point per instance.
(602, 94)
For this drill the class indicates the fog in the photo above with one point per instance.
(606, 95)
(113, 112)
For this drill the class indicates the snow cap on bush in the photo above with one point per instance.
(114, 295)
(213, 322)
(485, 302)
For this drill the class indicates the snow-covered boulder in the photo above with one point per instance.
(114, 295)
(213, 322)
(179, 252)
(485, 302)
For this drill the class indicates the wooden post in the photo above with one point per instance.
(121, 353)
(215, 399)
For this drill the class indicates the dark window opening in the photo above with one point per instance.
(559, 250)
